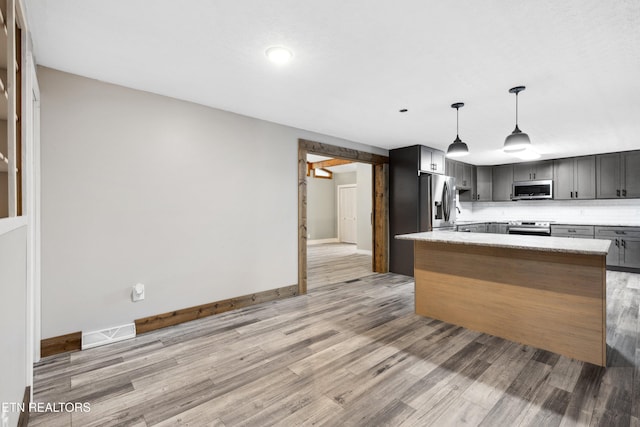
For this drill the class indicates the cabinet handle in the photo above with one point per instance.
(572, 194)
(624, 193)
(534, 175)
(620, 232)
(618, 193)
(623, 243)
(617, 243)
(571, 230)
(576, 194)
(529, 176)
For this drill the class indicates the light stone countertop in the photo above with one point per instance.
(537, 243)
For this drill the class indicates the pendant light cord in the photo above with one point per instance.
(516, 109)
(457, 122)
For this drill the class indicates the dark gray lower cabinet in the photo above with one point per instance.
(497, 228)
(473, 228)
(576, 231)
(625, 245)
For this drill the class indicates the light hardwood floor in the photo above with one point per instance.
(347, 354)
(331, 263)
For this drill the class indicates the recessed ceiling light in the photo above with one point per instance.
(279, 55)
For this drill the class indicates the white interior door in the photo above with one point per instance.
(347, 214)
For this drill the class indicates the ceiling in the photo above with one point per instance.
(357, 63)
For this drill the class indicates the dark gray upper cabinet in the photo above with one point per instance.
(575, 178)
(533, 171)
(465, 178)
(484, 181)
(502, 182)
(432, 160)
(468, 194)
(463, 175)
(618, 175)
(631, 168)
(450, 167)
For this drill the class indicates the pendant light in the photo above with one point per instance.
(518, 140)
(457, 147)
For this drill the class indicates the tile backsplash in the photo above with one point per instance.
(603, 211)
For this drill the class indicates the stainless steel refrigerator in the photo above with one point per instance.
(437, 210)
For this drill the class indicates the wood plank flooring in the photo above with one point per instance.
(346, 354)
(332, 263)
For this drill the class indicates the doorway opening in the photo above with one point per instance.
(339, 227)
(312, 172)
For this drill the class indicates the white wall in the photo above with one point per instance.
(138, 187)
(603, 212)
(13, 326)
(364, 209)
(321, 208)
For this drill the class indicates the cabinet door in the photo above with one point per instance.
(585, 177)
(630, 252)
(543, 170)
(563, 183)
(522, 172)
(459, 175)
(432, 160)
(437, 158)
(613, 257)
(631, 170)
(450, 167)
(425, 159)
(608, 176)
(479, 228)
(502, 182)
(468, 190)
(484, 183)
(473, 191)
(466, 175)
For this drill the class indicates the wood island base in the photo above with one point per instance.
(555, 301)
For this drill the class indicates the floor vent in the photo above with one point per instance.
(107, 336)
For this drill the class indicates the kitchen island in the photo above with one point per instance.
(547, 292)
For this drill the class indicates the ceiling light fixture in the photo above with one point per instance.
(518, 140)
(457, 147)
(279, 55)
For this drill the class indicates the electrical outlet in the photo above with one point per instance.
(137, 293)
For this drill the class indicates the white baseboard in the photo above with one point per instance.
(321, 241)
(364, 252)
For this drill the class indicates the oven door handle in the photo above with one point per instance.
(529, 230)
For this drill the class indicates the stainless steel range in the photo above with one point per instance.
(530, 228)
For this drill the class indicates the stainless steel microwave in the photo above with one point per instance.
(532, 190)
